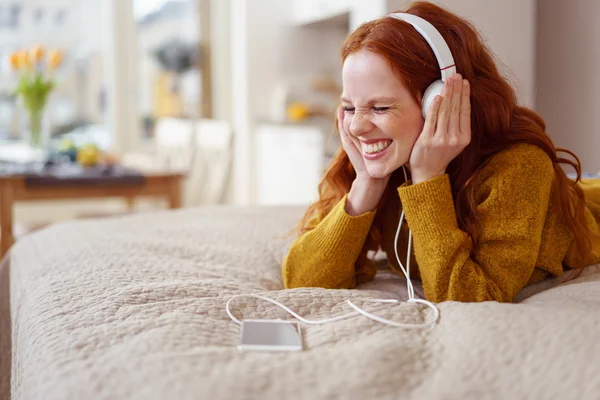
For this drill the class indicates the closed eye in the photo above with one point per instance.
(376, 109)
(380, 109)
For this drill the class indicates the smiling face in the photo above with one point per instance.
(380, 114)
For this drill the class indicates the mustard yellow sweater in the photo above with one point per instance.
(522, 239)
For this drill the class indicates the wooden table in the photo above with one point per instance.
(20, 187)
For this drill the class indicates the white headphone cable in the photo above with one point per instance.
(409, 286)
(293, 314)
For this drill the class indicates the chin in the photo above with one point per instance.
(378, 171)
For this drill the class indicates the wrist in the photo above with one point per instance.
(364, 196)
(423, 176)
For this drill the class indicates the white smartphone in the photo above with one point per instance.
(270, 335)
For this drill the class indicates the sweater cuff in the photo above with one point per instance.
(353, 229)
(429, 207)
(341, 236)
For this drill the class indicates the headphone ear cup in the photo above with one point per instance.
(432, 90)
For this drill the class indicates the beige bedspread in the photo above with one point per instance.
(134, 308)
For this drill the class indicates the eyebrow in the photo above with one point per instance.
(382, 99)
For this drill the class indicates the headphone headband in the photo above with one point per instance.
(435, 40)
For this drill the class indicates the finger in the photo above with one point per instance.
(454, 123)
(347, 142)
(442, 118)
(431, 118)
(465, 109)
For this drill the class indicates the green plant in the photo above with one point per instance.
(36, 81)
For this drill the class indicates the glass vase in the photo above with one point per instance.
(36, 128)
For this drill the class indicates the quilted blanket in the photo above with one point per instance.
(134, 308)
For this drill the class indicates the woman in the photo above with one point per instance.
(489, 206)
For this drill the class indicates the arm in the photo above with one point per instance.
(512, 215)
(331, 255)
(591, 190)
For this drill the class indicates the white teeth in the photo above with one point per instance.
(376, 147)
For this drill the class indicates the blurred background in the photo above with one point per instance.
(261, 80)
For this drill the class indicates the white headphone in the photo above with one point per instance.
(441, 51)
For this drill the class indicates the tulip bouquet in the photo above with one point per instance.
(36, 70)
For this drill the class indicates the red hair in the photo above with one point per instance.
(497, 122)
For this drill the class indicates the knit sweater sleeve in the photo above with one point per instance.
(573, 258)
(331, 255)
(512, 205)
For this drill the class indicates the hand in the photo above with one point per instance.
(350, 148)
(447, 131)
(366, 191)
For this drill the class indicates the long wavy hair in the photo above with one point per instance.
(497, 121)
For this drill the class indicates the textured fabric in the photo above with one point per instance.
(522, 239)
(134, 308)
(5, 331)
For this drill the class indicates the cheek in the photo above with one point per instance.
(347, 122)
(417, 128)
(402, 128)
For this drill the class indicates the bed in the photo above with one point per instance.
(133, 307)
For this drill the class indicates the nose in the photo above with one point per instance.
(360, 124)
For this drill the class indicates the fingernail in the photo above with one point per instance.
(465, 83)
(458, 77)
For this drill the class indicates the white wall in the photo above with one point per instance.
(256, 57)
(268, 51)
(568, 83)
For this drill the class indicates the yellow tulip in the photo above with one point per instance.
(25, 60)
(15, 60)
(55, 58)
(37, 53)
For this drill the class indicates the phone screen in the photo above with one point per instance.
(270, 335)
